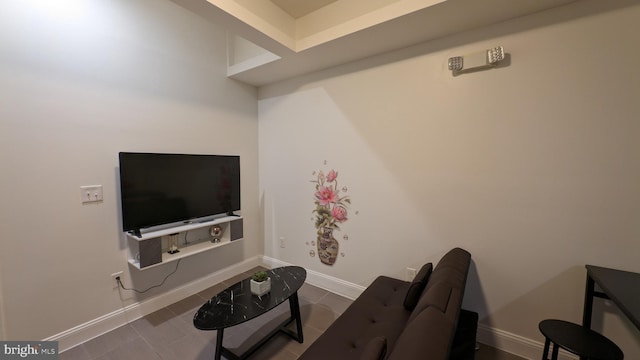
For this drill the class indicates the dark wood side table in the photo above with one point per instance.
(578, 340)
(622, 287)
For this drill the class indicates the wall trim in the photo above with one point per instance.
(108, 322)
(500, 339)
(326, 282)
(515, 344)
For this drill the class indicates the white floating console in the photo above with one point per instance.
(155, 248)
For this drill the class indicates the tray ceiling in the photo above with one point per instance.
(299, 8)
(274, 40)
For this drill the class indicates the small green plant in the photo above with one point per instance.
(260, 276)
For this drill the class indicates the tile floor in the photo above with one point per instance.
(169, 333)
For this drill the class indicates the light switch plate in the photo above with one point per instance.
(91, 193)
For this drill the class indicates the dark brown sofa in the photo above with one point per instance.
(399, 320)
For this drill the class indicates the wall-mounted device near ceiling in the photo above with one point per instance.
(476, 61)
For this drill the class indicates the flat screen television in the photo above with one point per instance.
(159, 189)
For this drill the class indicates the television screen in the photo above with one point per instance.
(158, 189)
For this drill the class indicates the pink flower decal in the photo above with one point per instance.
(339, 213)
(332, 175)
(326, 195)
(331, 206)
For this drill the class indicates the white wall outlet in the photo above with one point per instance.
(411, 273)
(114, 276)
(91, 193)
(282, 241)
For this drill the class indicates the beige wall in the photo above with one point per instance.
(533, 166)
(79, 82)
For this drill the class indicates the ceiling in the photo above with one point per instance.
(279, 39)
(299, 8)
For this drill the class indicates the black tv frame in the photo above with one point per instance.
(162, 189)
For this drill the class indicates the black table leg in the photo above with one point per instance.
(588, 302)
(587, 311)
(554, 353)
(294, 306)
(545, 352)
(219, 344)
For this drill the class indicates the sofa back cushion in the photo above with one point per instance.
(446, 285)
(438, 296)
(427, 336)
(417, 286)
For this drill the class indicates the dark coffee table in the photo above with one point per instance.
(236, 304)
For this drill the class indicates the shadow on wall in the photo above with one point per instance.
(474, 297)
(561, 297)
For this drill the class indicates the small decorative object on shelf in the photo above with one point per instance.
(173, 244)
(260, 283)
(216, 232)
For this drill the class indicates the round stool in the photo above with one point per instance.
(578, 340)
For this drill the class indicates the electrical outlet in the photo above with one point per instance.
(282, 241)
(114, 276)
(411, 273)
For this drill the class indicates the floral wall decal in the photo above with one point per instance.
(331, 211)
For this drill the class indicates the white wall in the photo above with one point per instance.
(533, 167)
(79, 82)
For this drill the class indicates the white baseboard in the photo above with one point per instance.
(96, 327)
(500, 339)
(497, 338)
(329, 283)
(515, 344)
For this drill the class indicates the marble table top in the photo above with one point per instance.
(236, 304)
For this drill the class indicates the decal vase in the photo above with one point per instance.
(327, 246)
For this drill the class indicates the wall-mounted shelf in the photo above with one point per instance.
(152, 249)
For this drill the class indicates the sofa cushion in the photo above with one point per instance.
(376, 349)
(431, 332)
(378, 311)
(417, 286)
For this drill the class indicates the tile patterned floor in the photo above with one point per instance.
(169, 334)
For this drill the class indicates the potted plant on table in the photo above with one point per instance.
(260, 283)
